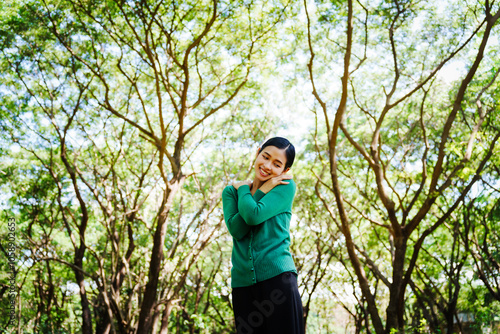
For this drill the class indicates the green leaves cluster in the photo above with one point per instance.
(108, 105)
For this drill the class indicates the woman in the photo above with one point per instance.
(257, 214)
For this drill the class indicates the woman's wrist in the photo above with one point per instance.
(266, 187)
(275, 181)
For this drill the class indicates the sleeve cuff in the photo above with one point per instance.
(243, 189)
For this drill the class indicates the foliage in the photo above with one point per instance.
(122, 121)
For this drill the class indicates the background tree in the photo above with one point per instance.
(415, 161)
(111, 99)
(121, 122)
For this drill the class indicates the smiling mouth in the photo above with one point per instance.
(262, 173)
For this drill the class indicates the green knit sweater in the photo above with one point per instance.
(260, 226)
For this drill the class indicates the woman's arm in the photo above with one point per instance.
(234, 222)
(278, 200)
(275, 181)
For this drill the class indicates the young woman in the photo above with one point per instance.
(257, 214)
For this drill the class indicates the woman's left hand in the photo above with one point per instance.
(236, 185)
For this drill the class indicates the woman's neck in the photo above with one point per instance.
(256, 184)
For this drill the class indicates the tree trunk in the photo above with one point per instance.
(150, 294)
(80, 280)
(395, 309)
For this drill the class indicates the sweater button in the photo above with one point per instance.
(252, 269)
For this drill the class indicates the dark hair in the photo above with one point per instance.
(282, 143)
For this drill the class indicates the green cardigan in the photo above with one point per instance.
(260, 226)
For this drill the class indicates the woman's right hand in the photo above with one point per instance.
(275, 181)
(236, 185)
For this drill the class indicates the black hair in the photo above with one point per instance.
(282, 143)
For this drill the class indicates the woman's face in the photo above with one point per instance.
(270, 163)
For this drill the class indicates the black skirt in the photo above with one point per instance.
(272, 306)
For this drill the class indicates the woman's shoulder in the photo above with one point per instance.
(291, 187)
(292, 184)
(228, 190)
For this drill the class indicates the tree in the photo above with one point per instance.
(120, 92)
(121, 122)
(411, 167)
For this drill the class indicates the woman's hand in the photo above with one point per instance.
(236, 185)
(273, 182)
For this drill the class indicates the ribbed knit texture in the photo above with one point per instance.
(260, 227)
